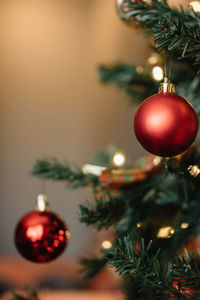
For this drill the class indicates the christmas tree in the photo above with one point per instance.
(154, 210)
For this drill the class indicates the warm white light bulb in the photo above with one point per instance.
(165, 232)
(184, 225)
(157, 73)
(119, 159)
(195, 5)
(106, 245)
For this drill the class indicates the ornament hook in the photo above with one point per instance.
(42, 203)
(166, 86)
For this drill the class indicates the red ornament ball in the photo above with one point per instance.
(41, 236)
(165, 124)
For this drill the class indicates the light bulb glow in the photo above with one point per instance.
(157, 73)
(165, 232)
(139, 225)
(106, 245)
(119, 159)
(184, 225)
(195, 5)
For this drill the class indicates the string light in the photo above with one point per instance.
(184, 225)
(157, 160)
(106, 245)
(157, 73)
(153, 59)
(119, 159)
(139, 225)
(195, 5)
(139, 69)
(165, 232)
(194, 170)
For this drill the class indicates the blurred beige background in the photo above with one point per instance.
(52, 103)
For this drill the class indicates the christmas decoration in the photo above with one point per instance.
(41, 235)
(182, 289)
(166, 124)
(120, 177)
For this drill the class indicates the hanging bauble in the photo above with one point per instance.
(166, 124)
(41, 235)
(182, 289)
(127, 13)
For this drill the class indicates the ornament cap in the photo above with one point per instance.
(166, 86)
(42, 203)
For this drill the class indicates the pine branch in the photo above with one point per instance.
(104, 213)
(140, 86)
(137, 86)
(174, 30)
(56, 170)
(179, 278)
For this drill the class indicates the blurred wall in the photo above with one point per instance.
(52, 103)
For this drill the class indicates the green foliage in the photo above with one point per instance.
(137, 86)
(105, 212)
(173, 30)
(149, 278)
(169, 196)
(56, 170)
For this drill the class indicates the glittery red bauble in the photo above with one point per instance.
(183, 289)
(41, 236)
(165, 124)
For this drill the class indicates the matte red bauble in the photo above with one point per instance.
(41, 236)
(166, 124)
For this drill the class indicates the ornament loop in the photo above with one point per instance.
(166, 86)
(42, 203)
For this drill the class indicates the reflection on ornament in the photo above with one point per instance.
(35, 233)
(157, 73)
(165, 232)
(195, 5)
(184, 225)
(106, 245)
(119, 159)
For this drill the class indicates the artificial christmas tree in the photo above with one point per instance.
(155, 210)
